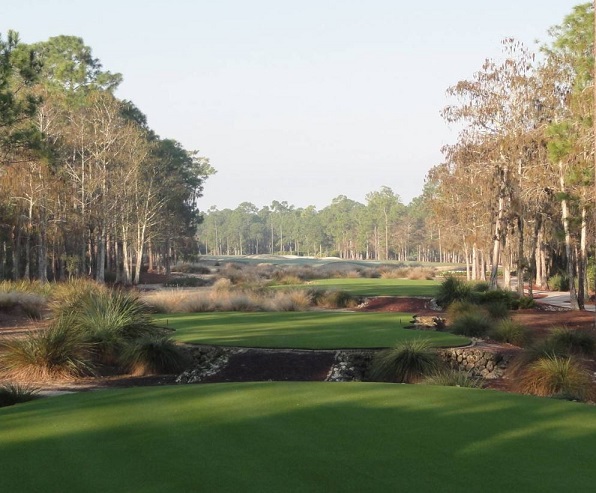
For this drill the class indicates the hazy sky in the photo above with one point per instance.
(294, 100)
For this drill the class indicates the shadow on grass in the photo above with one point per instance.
(298, 437)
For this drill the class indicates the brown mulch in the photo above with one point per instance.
(297, 365)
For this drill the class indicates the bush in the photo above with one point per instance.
(12, 393)
(556, 376)
(187, 282)
(512, 332)
(336, 299)
(525, 302)
(558, 282)
(460, 308)
(405, 363)
(153, 355)
(452, 289)
(187, 268)
(58, 352)
(497, 310)
(471, 325)
(569, 341)
(29, 304)
(507, 298)
(453, 378)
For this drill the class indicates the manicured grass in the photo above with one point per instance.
(307, 437)
(312, 330)
(379, 287)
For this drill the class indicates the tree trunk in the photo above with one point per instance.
(568, 242)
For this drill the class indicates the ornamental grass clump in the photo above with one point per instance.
(569, 341)
(152, 355)
(556, 376)
(511, 332)
(13, 393)
(451, 377)
(453, 289)
(60, 352)
(472, 325)
(407, 362)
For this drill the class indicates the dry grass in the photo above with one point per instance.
(557, 376)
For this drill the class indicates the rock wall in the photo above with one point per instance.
(485, 362)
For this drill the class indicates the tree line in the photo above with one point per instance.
(381, 229)
(86, 187)
(517, 188)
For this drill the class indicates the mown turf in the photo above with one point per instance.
(378, 287)
(298, 437)
(311, 330)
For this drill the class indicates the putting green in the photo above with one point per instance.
(311, 437)
(310, 330)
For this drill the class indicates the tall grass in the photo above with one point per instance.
(512, 332)
(13, 393)
(56, 353)
(557, 376)
(450, 377)
(407, 362)
(152, 355)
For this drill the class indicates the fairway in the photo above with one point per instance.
(312, 437)
(304, 330)
(379, 287)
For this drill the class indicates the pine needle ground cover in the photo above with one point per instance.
(379, 287)
(300, 330)
(312, 437)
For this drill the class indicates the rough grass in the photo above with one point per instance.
(312, 437)
(407, 362)
(306, 330)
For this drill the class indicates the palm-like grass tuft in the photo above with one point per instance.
(407, 362)
(153, 355)
(557, 376)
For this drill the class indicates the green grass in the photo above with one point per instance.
(312, 330)
(378, 287)
(298, 437)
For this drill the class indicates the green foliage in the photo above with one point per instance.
(512, 332)
(472, 325)
(453, 289)
(151, 355)
(556, 376)
(451, 377)
(186, 282)
(497, 310)
(563, 340)
(407, 362)
(525, 302)
(12, 393)
(559, 282)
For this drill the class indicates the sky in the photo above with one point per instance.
(297, 101)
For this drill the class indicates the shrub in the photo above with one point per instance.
(497, 310)
(512, 332)
(451, 377)
(525, 302)
(508, 298)
(460, 308)
(58, 352)
(471, 325)
(187, 282)
(558, 282)
(480, 286)
(336, 299)
(405, 363)
(556, 376)
(12, 393)
(151, 355)
(222, 284)
(66, 296)
(288, 301)
(28, 303)
(421, 273)
(187, 268)
(452, 289)
(569, 341)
